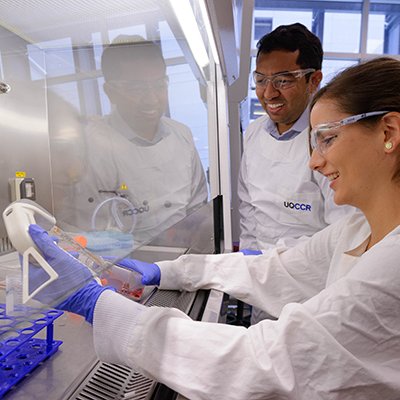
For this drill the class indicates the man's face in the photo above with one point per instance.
(140, 93)
(284, 106)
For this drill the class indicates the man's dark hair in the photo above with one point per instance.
(124, 49)
(291, 38)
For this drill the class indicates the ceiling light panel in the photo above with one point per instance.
(43, 20)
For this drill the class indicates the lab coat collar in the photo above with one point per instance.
(357, 244)
(364, 237)
(118, 123)
(298, 127)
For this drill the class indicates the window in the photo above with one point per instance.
(384, 28)
(349, 31)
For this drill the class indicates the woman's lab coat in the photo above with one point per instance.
(337, 336)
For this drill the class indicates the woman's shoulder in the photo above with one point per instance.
(347, 232)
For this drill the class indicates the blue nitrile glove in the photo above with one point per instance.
(84, 300)
(151, 273)
(249, 252)
(73, 277)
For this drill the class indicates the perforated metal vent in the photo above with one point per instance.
(111, 382)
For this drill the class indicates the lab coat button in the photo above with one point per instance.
(167, 204)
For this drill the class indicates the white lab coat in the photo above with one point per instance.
(337, 336)
(282, 201)
(164, 180)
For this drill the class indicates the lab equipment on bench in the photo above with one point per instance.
(120, 209)
(112, 224)
(18, 216)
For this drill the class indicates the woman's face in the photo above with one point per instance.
(352, 160)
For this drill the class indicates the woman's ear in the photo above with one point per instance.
(391, 126)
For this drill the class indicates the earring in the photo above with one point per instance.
(388, 145)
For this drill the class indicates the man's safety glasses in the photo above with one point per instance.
(324, 135)
(140, 87)
(284, 80)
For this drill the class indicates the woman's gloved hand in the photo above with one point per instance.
(249, 252)
(84, 300)
(151, 273)
(75, 289)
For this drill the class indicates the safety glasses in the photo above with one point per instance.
(323, 136)
(140, 87)
(281, 81)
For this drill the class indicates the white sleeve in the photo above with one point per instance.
(267, 281)
(342, 344)
(111, 310)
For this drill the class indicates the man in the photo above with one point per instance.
(281, 199)
(144, 171)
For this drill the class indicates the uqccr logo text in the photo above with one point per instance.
(136, 210)
(297, 206)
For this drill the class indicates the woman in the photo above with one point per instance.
(337, 295)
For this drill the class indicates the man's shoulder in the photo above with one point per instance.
(256, 127)
(175, 126)
(176, 129)
(97, 125)
(260, 121)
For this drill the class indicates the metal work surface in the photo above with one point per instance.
(74, 358)
(76, 373)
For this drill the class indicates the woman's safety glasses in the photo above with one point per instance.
(281, 81)
(324, 135)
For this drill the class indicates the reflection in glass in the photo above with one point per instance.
(139, 170)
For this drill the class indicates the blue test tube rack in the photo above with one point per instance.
(20, 351)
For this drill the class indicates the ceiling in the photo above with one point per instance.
(40, 21)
